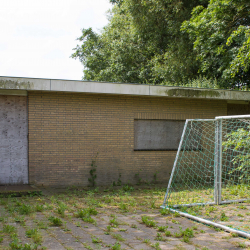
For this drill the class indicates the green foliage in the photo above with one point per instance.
(123, 207)
(176, 214)
(148, 221)
(159, 237)
(162, 228)
(242, 244)
(113, 222)
(15, 245)
(85, 215)
(92, 172)
(25, 209)
(165, 211)
(108, 230)
(223, 217)
(61, 209)
(8, 229)
(182, 43)
(142, 43)
(86, 212)
(221, 37)
(42, 225)
(31, 232)
(168, 233)
(156, 246)
(147, 241)
(55, 221)
(92, 211)
(96, 239)
(128, 188)
(20, 219)
(186, 234)
(35, 235)
(34, 193)
(118, 237)
(116, 246)
(138, 179)
(239, 142)
(39, 208)
(119, 181)
(155, 177)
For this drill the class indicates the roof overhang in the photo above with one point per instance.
(21, 85)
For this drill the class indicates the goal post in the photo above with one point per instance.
(212, 164)
(217, 161)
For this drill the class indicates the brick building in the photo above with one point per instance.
(51, 130)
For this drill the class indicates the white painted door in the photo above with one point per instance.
(13, 140)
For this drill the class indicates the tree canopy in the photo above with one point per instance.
(221, 36)
(171, 43)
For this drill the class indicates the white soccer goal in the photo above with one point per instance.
(212, 167)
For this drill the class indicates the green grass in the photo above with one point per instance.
(35, 235)
(55, 221)
(118, 237)
(116, 246)
(85, 215)
(113, 222)
(148, 221)
(25, 209)
(8, 229)
(96, 240)
(94, 206)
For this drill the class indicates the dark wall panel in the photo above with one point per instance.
(13, 140)
(158, 134)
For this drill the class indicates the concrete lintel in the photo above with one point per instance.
(36, 84)
(13, 92)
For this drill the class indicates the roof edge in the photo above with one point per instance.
(40, 84)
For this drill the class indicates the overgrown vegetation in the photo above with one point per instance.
(117, 215)
(92, 172)
(201, 43)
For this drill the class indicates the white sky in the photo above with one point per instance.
(37, 36)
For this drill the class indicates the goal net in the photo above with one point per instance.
(212, 168)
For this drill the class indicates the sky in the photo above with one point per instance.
(38, 36)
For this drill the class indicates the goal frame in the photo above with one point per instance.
(217, 175)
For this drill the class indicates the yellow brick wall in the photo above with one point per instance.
(67, 130)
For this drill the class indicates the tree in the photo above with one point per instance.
(117, 54)
(142, 43)
(221, 36)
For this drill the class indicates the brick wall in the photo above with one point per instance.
(67, 130)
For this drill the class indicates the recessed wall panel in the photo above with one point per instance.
(157, 134)
(13, 140)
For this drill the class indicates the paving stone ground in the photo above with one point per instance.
(117, 224)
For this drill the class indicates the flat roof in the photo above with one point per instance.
(22, 85)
